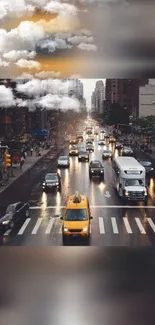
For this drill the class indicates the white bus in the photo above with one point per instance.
(130, 179)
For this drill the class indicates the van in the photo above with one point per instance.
(76, 218)
(130, 179)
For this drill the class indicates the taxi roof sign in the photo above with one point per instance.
(77, 198)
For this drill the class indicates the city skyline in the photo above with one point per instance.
(88, 88)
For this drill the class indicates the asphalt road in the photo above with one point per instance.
(113, 224)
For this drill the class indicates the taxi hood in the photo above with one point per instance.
(76, 224)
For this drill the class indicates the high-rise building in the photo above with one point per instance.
(97, 97)
(76, 89)
(147, 100)
(124, 92)
(93, 98)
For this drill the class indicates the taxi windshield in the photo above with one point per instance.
(76, 215)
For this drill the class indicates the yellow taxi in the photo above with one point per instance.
(112, 139)
(73, 151)
(73, 141)
(77, 216)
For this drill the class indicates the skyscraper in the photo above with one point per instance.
(124, 92)
(97, 97)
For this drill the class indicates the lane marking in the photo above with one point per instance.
(151, 223)
(114, 225)
(127, 225)
(101, 225)
(36, 227)
(49, 227)
(96, 206)
(24, 226)
(140, 226)
(7, 233)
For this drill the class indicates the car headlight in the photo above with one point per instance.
(126, 193)
(57, 183)
(145, 192)
(101, 171)
(44, 184)
(5, 222)
(92, 171)
(65, 229)
(85, 228)
(151, 169)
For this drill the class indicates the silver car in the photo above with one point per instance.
(107, 154)
(63, 161)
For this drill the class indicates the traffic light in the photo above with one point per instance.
(7, 160)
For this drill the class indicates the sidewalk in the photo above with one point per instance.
(152, 155)
(30, 161)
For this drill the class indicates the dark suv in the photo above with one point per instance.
(96, 169)
(83, 156)
(52, 181)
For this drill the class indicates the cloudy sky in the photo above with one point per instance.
(90, 38)
(49, 94)
(89, 86)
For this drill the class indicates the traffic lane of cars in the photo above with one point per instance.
(94, 190)
(76, 178)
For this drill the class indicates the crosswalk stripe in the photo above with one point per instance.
(151, 223)
(37, 225)
(114, 225)
(7, 233)
(60, 229)
(140, 226)
(49, 227)
(101, 225)
(100, 220)
(127, 225)
(25, 224)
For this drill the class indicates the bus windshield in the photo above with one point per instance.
(134, 182)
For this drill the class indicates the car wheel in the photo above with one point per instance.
(11, 225)
(27, 213)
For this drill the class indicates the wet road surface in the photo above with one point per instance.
(113, 223)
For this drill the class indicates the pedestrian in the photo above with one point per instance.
(31, 151)
(22, 160)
